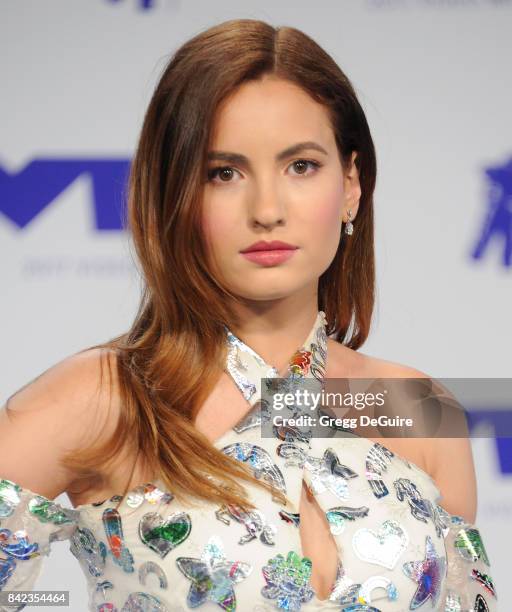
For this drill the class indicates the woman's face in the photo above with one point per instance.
(256, 191)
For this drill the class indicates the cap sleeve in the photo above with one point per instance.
(28, 524)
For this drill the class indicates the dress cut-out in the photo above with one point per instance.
(398, 548)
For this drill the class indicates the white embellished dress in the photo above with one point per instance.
(398, 548)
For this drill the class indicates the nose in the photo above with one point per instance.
(267, 208)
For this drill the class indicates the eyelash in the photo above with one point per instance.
(212, 172)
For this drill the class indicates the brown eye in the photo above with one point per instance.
(225, 173)
(301, 166)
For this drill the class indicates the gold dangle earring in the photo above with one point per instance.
(349, 227)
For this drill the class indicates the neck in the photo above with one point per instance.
(274, 329)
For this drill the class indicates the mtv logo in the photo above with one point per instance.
(501, 422)
(24, 194)
(497, 224)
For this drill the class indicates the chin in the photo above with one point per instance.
(267, 291)
(263, 296)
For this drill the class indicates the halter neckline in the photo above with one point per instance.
(247, 367)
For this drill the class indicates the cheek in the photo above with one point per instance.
(326, 221)
(219, 230)
(214, 226)
(327, 216)
(330, 213)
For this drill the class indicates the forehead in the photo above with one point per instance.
(271, 108)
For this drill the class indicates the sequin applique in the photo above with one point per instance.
(288, 581)
(258, 414)
(114, 530)
(383, 547)
(452, 602)
(260, 461)
(428, 574)
(254, 522)
(300, 362)
(338, 515)
(291, 434)
(139, 601)
(163, 535)
(421, 508)
(377, 461)
(212, 576)
(9, 497)
(17, 547)
(90, 554)
(470, 546)
(485, 580)
(377, 583)
(290, 517)
(150, 567)
(48, 511)
(329, 474)
(354, 596)
(106, 607)
(104, 586)
(481, 604)
(319, 349)
(293, 454)
(147, 493)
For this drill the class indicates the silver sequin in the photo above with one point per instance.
(383, 547)
(150, 567)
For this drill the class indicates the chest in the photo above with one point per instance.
(223, 409)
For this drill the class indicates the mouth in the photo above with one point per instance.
(274, 245)
(267, 257)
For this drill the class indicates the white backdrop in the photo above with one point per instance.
(434, 79)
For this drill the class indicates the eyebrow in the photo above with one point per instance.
(242, 160)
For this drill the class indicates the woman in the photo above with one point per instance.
(239, 150)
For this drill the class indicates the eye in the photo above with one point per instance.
(303, 163)
(225, 172)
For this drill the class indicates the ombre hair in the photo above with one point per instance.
(171, 358)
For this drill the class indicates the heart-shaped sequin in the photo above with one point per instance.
(163, 535)
(383, 547)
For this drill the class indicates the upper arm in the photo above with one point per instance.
(454, 473)
(448, 460)
(57, 412)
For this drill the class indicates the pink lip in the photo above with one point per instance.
(263, 245)
(269, 258)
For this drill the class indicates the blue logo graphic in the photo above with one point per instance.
(143, 4)
(497, 224)
(25, 194)
(500, 421)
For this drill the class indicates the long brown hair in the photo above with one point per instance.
(169, 361)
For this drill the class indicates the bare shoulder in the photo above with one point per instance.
(346, 362)
(63, 409)
(455, 478)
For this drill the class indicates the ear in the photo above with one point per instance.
(352, 189)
